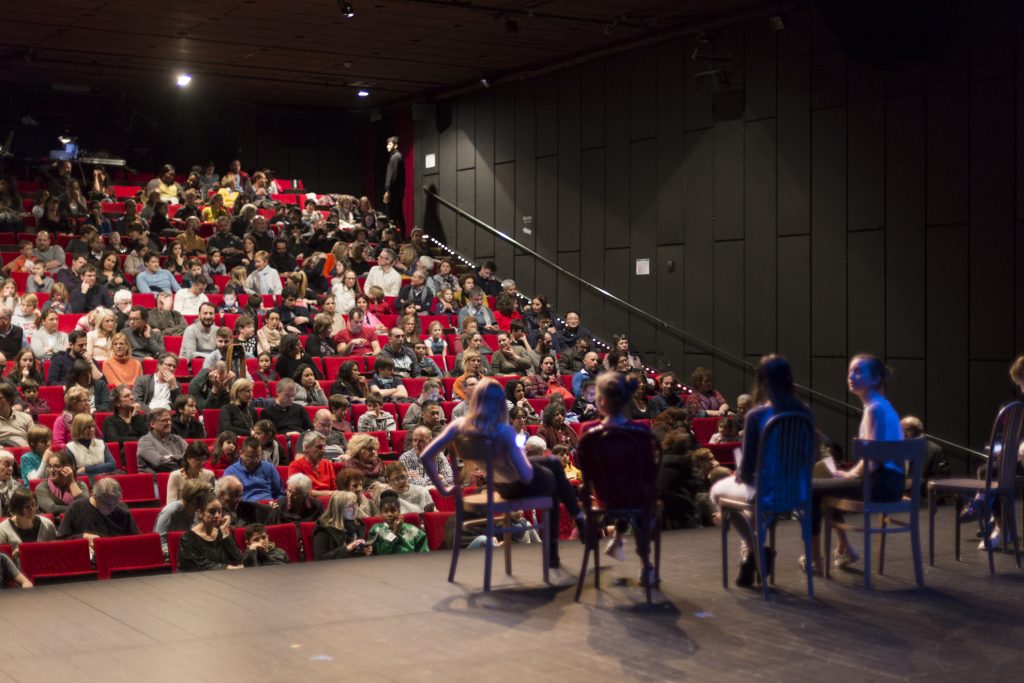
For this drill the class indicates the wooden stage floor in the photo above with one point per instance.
(397, 619)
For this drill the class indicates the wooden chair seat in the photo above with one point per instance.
(857, 506)
(958, 485)
(477, 502)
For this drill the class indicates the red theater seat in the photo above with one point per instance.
(56, 560)
(129, 554)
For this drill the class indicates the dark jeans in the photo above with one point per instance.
(548, 480)
(886, 487)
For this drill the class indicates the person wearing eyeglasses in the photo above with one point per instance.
(161, 450)
(210, 544)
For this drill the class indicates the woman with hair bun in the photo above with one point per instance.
(866, 379)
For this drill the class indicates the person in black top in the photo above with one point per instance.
(394, 184)
(320, 343)
(126, 424)
(100, 515)
(90, 294)
(186, 422)
(293, 357)
(210, 544)
(287, 415)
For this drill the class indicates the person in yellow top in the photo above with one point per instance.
(227, 190)
(564, 453)
(169, 190)
(190, 240)
(213, 212)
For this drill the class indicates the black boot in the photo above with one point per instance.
(748, 568)
(769, 560)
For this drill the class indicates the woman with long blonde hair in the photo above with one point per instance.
(101, 336)
(515, 475)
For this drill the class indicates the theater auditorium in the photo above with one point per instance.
(416, 340)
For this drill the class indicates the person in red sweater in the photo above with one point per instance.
(313, 465)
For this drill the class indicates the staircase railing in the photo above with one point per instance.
(658, 323)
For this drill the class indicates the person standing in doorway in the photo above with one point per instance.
(394, 184)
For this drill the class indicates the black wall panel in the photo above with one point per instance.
(828, 228)
(759, 217)
(843, 209)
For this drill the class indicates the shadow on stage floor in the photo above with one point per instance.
(397, 619)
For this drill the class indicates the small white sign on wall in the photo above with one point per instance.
(643, 266)
(430, 161)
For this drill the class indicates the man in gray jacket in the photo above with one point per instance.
(200, 338)
(145, 342)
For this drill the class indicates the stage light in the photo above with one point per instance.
(346, 8)
(485, 83)
(183, 80)
(363, 93)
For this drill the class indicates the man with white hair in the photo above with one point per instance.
(535, 446)
(421, 436)
(298, 504)
(122, 308)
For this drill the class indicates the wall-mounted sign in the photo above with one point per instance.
(643, 266)
(430, 161)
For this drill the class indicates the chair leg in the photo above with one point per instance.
(488, 551)
(915, 547)
(758, 534)
(881, 545)
(867, 552)
(643, 537)
(457, 547)
(827, 514)
(726, 521)
(932, 505)
(506, 521)
(986, 530)
(657, 552)
(1012, 517)
(805, 531)
(589, 544)
(771, 544)
(959, 506)
(546, 545)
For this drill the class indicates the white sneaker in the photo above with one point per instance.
(844, 559)
(996, 539)
(616, 549)
(559, 578)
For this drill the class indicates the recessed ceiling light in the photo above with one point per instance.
(183, 80)
(363, 93)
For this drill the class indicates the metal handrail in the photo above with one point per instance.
(661, 324)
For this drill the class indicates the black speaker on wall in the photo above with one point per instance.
(889, 33)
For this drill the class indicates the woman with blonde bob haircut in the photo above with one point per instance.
(91, 455)
(515, 475)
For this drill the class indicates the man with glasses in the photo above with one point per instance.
(161, 450)
(475, 307)
(101, 515)
(259, 479)
(159, 390)
(145, 342)
(383, 275)
(404, 357)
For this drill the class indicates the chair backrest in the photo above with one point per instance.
(55, 559)
(1007, 434)
(908, 454)
(785, 458)
(173, 543)
(145, 518)
(306, 532)
(125, 553)
(620, 466)
(480, 448)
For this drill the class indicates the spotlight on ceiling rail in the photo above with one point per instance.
(346, 8)
(183, 80)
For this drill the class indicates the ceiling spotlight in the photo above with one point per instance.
(777, 23)
(183, 80)
(363, 93)
(511, 25)
(346, 8)
(485, 83)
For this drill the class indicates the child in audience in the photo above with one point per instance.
(375, 419)
(726, 431)
(446, 303)
(215, 266)
(436, 343)
(259, 550)
(30, 400)
(393, 536)
(225, 451)
(585, 407)
(39, 440)
(351, 479)
(266, 372)
(230, 304)
(564, 454)
(376, 303)
(385, 382)
(339, 404)
(270, 449)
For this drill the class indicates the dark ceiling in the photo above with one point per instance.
(306, 52)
